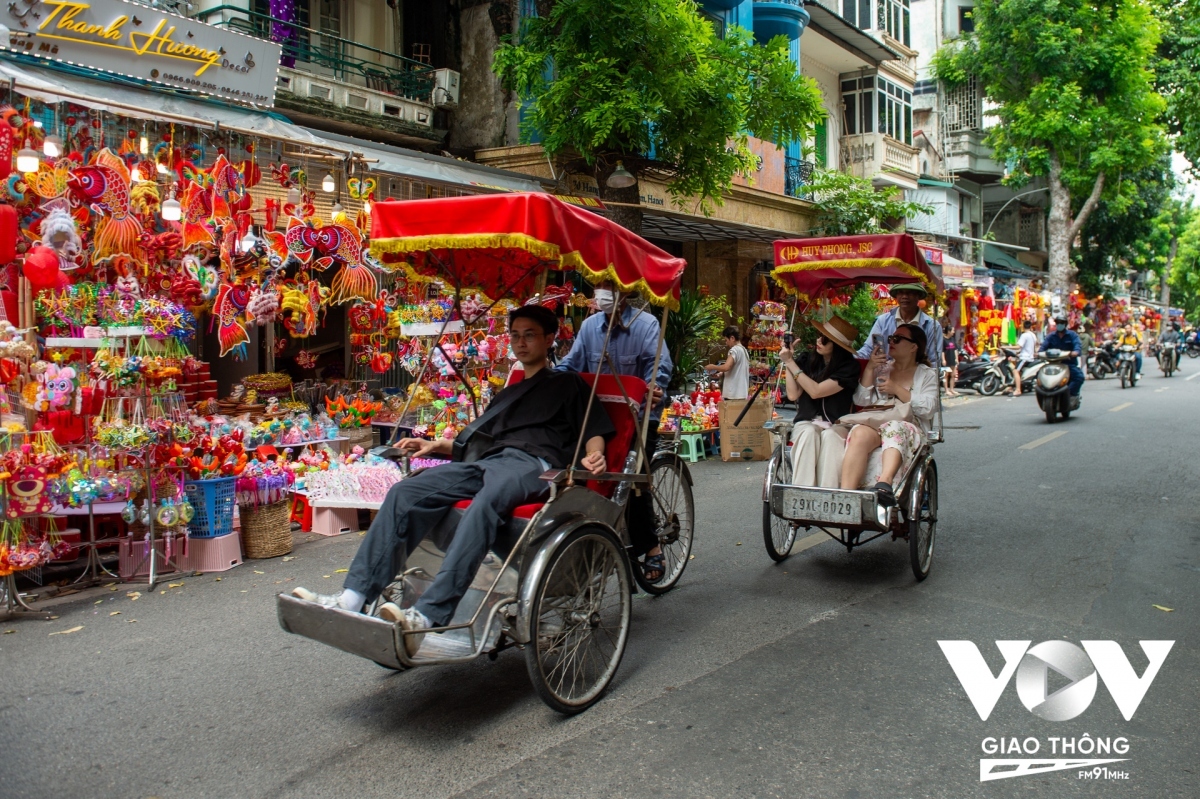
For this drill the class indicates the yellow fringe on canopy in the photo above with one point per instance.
(853, 263)
(517, 241)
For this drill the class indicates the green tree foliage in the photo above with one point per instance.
(648, 82)
(1185, 271)
(1178, 71)
(692, 331)
(848, 205)
(1076, 99)
(1127, 228)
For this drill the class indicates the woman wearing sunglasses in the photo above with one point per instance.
(822, 385)
(913, 380)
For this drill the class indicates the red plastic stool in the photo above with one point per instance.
(301, 512)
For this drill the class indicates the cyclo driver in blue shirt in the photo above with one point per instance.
(631, 352)
(1067, 341)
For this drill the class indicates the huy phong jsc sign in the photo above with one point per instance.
(141, 42)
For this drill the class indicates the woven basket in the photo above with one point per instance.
(358, 437)
(267, 530)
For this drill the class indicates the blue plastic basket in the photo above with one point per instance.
(213, 501)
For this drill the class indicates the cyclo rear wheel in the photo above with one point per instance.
(674, 522)
(922, 524)
(579, 620)
(779, 535)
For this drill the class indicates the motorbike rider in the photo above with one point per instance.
(1130, 338)
(1087, 342)
(1066, 341)
(1171, 337)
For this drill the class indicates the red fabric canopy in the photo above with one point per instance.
(811, 267)
(499, 243)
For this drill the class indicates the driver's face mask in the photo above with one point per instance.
(605, 300)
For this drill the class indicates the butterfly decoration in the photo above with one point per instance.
(50, 180)
(362, 188)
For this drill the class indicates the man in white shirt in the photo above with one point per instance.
(907, 312)
(736, 385)
(1028, 342)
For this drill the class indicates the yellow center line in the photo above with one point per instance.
(1121, 407)
(1044, 439)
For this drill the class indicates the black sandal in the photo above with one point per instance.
(884, 491)
(654, 565)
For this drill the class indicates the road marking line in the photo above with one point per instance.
(1192, 377)
(809, 542)
(1121, 407)
(1161, 390)
(1044, 439)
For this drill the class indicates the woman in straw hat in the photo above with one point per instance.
(822, 385)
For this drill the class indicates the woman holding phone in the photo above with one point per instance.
(822, 384)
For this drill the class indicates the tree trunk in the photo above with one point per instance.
(629, 214)
(1166, 286)
(1062, 228)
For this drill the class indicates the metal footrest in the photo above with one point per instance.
(356, 633)
(813, 506)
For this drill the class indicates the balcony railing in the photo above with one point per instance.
(797, 175)
(324, 53)
(867, 155)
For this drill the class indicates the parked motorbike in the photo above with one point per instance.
(1052, 387)
(1193, 348)
(1102, 361)
(1127, 365)
(1000, 375)
(970, 373)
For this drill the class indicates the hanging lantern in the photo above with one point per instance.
(28, 159)
(52, 146)
(328, 184)
(172, 209)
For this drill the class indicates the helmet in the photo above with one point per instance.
(1060, 320)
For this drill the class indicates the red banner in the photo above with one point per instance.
(812, 267)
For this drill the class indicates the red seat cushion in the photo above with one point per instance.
(521, 511)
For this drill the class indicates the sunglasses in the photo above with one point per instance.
(823, 341)
(896, 339)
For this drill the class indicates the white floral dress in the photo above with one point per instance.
(904, 437)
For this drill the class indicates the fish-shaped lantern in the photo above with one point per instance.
(104, 187)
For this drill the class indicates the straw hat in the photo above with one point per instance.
(839, 331)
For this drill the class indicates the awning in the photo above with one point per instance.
(658, 223)
(998, 257)
(50, 86)
(426, 167)
(849, 36)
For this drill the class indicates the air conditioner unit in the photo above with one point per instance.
(445, 88)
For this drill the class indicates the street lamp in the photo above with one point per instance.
(621, 178)
(1001, 211)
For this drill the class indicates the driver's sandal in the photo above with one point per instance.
(653, 568)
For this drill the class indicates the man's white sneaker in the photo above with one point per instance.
(327, 600)
(409, 619)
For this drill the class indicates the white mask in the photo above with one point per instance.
(604, 300)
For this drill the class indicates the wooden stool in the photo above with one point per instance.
(691, 446)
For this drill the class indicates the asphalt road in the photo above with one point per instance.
(821, 676)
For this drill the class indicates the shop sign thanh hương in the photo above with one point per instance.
(140, 42)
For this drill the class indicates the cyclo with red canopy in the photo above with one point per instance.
(558, 580)
(812, 270)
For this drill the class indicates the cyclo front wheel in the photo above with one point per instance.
(579, 620)
(778, 534)
(674, 522)
(922, 524)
